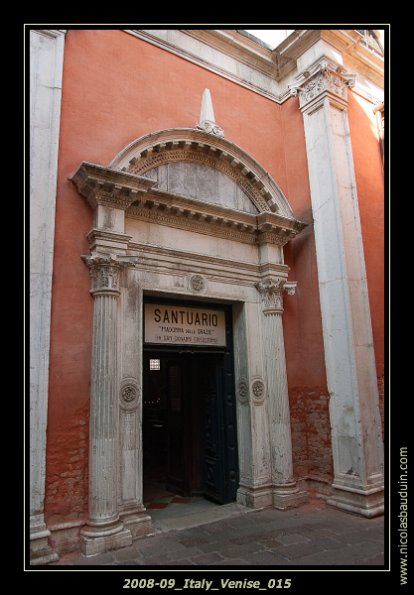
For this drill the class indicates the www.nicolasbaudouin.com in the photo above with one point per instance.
(403, 514)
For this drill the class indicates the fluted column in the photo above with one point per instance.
(104, 530)
(285, 491)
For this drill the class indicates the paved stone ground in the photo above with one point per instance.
(312, 535)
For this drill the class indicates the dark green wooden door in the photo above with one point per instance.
(218, 430)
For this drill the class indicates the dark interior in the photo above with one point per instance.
(189, 423)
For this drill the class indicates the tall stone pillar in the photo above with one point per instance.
(346, 321)
(286, 494)
(104, 530)
(46, 67)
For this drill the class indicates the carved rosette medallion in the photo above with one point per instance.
(243, 392)
(128, 394)
(271, 291)
(197, 283)
(258, 392)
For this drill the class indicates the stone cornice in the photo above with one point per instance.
(102, 185)
(233, 44)
(230, 56)
(140, 200)
(107, 240)
(238, 58)
(356, 56)
(206, 218)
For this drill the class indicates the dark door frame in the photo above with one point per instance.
(222, 414)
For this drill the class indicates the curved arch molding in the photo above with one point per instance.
(188, 144)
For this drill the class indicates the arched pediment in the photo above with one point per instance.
(188, 145)
(212, 187)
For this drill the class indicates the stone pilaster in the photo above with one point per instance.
(285, 492)
(252, 420)
(346, 320)
(104, 530)
(46, 67)
(131, 506)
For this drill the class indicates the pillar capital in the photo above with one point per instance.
(105, 272)
(323, 79)
(271, 289)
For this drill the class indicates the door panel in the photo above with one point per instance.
(230, 430)
(200, 423)
(177, 429)
(219, 460)
(212, 430)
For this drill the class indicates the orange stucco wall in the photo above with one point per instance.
(117, 88)
(370, 186)
(308, 394)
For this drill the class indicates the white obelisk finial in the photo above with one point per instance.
(207, 120)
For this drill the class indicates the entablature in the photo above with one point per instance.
(137, 197)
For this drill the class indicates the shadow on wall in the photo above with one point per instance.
(366, 148)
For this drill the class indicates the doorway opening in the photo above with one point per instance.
(189, 424)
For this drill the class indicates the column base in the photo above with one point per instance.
(40, 550)
(96, 540)
(288, 496)
(260, 497)
(368, 504)
(138, 523)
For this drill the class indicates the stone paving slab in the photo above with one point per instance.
(312, 535)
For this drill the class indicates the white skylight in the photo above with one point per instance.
(272, 37)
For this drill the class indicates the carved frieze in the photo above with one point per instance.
(238, 232)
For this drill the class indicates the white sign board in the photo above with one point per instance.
(178, 325)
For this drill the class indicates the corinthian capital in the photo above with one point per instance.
(104, 271)
(322, 79)
(271, 291)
